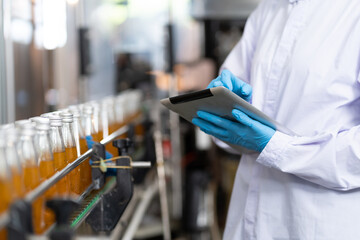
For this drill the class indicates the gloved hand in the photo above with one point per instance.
(246, 132)
(228, 80)
(90, 143)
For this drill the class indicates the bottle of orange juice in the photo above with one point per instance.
(90, 122)
(58, 150)
(5, 184)
(85, 168)
(71, 153)
(120, 112)
(29, 162)
(46, 164)
(97, 119)
(13, 161)
(109, 117)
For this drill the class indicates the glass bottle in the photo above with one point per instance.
(58, 150)
(109, 118)
(97, 122)
(120, 113)
(28, 158)
(46, 165)
(5, 183)
(89, 125)
(85, 168)
(13, 161)
(19, 123)
(71, 154)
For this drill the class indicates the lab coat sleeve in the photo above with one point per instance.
(331, 160)
(240, 58)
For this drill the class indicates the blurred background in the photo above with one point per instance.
(56, 53)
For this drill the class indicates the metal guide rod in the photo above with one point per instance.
(140, 164)
(37, 192)
(114, 135)
(162, 185)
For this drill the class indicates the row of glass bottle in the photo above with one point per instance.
(31, 151)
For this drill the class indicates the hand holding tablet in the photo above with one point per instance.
(219, 101)
(223, 111)
(244, 132)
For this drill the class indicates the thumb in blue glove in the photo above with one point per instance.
(228, 80)
(245, 132)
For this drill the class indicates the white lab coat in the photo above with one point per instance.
(302, 59)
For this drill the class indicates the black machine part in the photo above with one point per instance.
(98, 177)
(112, 204)
(20, 216)
(62, 208)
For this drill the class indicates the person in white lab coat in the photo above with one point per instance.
(299, 62)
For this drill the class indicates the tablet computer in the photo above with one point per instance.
(219, 101)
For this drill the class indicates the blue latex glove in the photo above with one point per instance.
(90, 142)
(247, 132)
(228, 80)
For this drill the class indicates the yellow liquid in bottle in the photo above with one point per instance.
(31, 181)
(5, 193)
(60, 162)
(97, 137)
(75, 177)
(5, 200)
(47, 170)
(18, 186)
(3, 234)
(85, 168)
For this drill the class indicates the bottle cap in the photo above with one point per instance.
(7, 126)
(42, 123)
(66, 117)
(11, 134)
(88, 109)
(55, 120)
(20, 123)
(27, 129)
(75, 110)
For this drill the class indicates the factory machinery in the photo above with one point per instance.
(113, 205)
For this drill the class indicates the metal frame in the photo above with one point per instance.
(44, 186)
(7, 82)
(3, 106)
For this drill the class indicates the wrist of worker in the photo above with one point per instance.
(274, 150)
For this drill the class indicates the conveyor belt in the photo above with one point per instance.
(90, 202)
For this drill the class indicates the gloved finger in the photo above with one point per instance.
(243, 118)
(214, 82)
(226, 79)
(89, 141)
(216, 120)
(240, 87)
(209, 128)
(108, 155)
